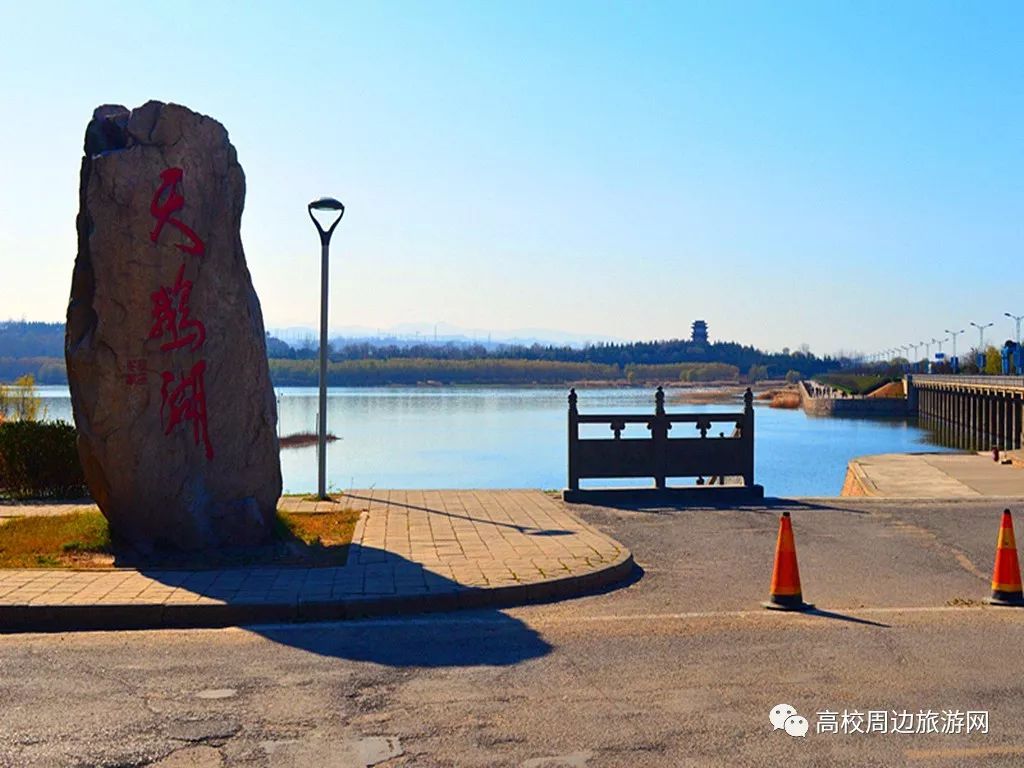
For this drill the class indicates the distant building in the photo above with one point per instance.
(699, 334)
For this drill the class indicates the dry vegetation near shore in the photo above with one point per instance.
(787, 398)
(82, 540)
(303, 439)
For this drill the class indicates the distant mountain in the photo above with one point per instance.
(444, 333)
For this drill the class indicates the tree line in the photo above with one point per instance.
(38, 348)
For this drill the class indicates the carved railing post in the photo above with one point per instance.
(659, 435)
(748, 437)
(574, 436)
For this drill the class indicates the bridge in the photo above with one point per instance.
(975, 412)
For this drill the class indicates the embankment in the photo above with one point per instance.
(852, 407)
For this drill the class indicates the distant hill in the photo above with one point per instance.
(23, 339)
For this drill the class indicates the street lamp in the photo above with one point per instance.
(1016, 319)
(981, 345)
(327, 206)
(981, 334)
(953, 335)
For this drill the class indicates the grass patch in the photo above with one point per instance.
(57, 541)
(83, 540)
(334, 498)
(319, 529)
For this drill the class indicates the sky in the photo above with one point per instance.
(848, 175)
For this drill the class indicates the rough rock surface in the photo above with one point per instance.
(165, 345)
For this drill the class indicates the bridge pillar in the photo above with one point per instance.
(1008, 440)
(975, 419)
(1017, 422)
(1000, 425)
(961, 419)
(986, 425)
(990, 420)
(1015, 426)
(986, 422)
(1011, 422)
(1003, 426)
(912, 395)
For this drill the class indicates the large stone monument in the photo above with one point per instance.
(165, 346)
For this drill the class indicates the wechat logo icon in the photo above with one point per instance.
(784, 717)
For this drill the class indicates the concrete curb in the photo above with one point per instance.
(857, 483)
(212, 615)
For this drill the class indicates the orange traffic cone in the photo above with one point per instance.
(1006, 587)
(785, 594)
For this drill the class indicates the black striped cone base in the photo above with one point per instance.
(1008, 599)
(787, 603)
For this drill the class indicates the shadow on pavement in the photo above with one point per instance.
(768, 505)
(528, 530)
(373, 583)
(844, 617)
(473, 638)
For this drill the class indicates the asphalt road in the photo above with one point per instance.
(680, 668)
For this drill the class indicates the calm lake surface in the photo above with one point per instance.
(491, 437)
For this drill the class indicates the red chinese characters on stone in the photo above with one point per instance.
(184, 402)
(171, 316)
(182, 396)
(168, 201)
(136, 374)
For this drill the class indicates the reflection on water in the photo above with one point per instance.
(446, 437)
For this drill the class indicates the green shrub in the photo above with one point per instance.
(39, 459)
(792, 377)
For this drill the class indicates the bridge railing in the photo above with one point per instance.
(1016, 382)
(658, 456)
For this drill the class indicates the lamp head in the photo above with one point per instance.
(326, 206)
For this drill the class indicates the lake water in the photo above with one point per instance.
(488, 437)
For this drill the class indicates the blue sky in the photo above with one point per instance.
(845, 174)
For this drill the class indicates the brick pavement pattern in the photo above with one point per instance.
(411, 551)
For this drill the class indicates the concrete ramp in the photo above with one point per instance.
(932, 476)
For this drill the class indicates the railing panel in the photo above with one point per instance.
(699, 445)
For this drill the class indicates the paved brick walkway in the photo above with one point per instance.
(411, 551)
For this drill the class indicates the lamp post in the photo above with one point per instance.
(981, 345)
(1016, 319)
(953, 335)
(981, 335)
(328, 206)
